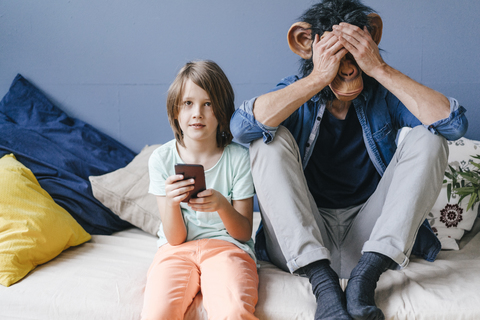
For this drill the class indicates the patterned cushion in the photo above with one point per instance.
(450, 219)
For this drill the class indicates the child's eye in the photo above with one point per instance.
(208, 104)
(187, 103)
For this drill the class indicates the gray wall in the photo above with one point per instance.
(110, 62)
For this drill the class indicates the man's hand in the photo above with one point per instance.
(424, 103)
(273, 108)
(361, 45)
(328, 51)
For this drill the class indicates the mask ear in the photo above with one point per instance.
(300, 39)
(377, 26)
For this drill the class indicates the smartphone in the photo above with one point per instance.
(192, 171)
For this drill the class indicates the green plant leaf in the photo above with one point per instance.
(472, 201)
(475, 164)
(469, 177)
(465, 183)
(448, 175)
(465, 190)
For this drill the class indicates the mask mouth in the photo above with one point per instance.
(347, 88)
(347, 94)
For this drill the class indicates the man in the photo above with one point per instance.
(336, 194)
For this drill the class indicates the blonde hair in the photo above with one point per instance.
(210, 77)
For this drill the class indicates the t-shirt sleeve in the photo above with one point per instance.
(243, 187)
(157, 173)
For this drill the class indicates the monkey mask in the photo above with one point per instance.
(348, 83)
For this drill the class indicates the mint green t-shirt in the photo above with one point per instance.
(230, 176)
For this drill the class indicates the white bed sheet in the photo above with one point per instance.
(448, 288)
(101, 279)
(105, 279)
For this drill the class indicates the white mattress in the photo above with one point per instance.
(105, 278)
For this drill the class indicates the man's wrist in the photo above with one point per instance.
(383, 71)
(314, 84)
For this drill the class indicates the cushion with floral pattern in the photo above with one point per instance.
(450, 219)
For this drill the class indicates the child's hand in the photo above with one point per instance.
(208, 200)
(177, 189)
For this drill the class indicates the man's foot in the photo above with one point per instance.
(330, 297)
(361, 286)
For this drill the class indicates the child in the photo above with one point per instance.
(205, 244)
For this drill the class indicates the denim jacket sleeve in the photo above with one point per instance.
(243, 125)
(454, 126)
(245, 128)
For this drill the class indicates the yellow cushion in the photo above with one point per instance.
(33, 228)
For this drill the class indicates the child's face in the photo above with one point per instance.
(195, 116)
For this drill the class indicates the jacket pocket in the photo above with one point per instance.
(383, 133)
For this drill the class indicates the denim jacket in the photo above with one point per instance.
(381, 116)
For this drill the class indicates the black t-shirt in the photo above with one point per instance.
(340, 173)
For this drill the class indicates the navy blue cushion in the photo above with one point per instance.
(62, 153)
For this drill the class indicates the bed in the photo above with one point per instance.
(99, 270)
(105, 278)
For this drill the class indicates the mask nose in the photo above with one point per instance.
(347, 69)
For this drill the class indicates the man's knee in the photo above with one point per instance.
(426, 145)
(283, 144)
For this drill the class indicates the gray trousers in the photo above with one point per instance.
(298, 233)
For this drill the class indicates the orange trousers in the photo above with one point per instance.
(226, 275)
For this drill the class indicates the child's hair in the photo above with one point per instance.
(210, 77)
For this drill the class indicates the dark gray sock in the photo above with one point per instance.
(361, 286)
(330, 297)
